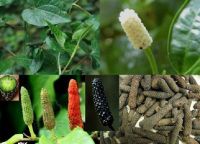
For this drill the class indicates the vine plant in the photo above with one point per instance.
(49, 37)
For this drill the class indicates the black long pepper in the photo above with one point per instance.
(101, 103)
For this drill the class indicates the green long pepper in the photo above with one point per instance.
(27, 110)
(26, 107)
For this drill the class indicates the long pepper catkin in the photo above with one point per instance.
(156, 94)
(48, 114)
(171, 83)
(134, 91)
(146, 82)
(187, 120)
(152, 109)
(27, 110)
(74, 112)
(189, 140)
(101, 103)
(177, 129)
(135, 29)
(192, 80)
(197, 105)
(196, 124)
(180, 81)
(162, 84)
(122, 100)
(150, 122)
(151, 135)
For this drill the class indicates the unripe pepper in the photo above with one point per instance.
(26, 107)
(74, 112)
(48, 114)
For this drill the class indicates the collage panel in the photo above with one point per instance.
(60, 109)
(157, 109)
(99, 72)
(9, 87)
(49, 37)
(102, 102)
(150, 36)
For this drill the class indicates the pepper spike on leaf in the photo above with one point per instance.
(74, 112)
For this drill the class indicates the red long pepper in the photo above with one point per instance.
(74, 112)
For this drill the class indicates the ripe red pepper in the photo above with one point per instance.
(74, 112)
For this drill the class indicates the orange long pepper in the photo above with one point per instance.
(74, 112)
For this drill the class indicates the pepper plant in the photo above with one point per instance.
(49, 37)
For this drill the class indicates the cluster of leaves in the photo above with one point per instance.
(49, 37)
(174, 26)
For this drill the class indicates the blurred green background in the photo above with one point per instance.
(11, 120)
(118, 55)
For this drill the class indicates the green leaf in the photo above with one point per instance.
(77, 136)
(5, 2)
(95, 54)
(44, 140)
(52, 44)
(59, 35)
(184, 44)
(37, 83)
(40, 16)
(94, 22)
(79, 33)
(62, 123)
(36, 63)
(22, 60)
(6, 64)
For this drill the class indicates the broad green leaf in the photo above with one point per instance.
(44, 140)
(52, 44)
(79, 33)
(95, 54)
(184, 46)
(40, 16)
(77, 136)
(5, 64)
(36, 63)
(62, 123)
(37, 83)
(50, 63)
(23, 61)
(59, 35)
(5, 2)
(94, 22)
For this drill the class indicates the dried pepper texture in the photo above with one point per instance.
(74, 112)
(101, 103)
(48, 114)
(162, 111)
(27, 109)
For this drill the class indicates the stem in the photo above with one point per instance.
(33, 135)
(151, 59)
(171, 29)
(58, 63)
(78, 6)
(72, 56)
(14, 139)
(53, 136)
(75, 49)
